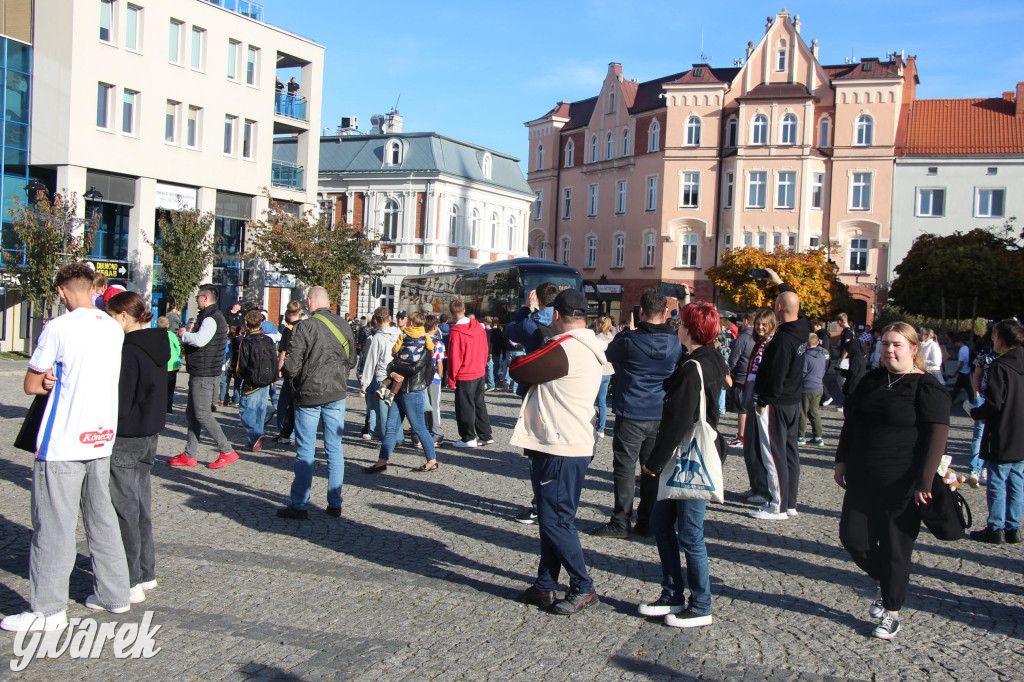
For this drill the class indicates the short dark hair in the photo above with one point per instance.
(457, 306)
(652, 302)
(1011, 332)
(430, 322)
(131, 303)
(75, 276)
(546, 294)
(253, 319)
(209, 290)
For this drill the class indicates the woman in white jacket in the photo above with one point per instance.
(377, 356)
(932, 354)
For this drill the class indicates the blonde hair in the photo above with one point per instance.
(908, 332)
(604, 325)
(812, 340)
(766, 315)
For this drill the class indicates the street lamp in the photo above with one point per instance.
(32, 190)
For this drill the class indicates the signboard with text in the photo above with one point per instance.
(112, 269)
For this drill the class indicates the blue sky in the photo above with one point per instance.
(477, 70)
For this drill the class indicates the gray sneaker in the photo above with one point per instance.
(887, 628)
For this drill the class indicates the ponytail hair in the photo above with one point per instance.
(131, 303)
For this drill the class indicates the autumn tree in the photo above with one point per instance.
(184, 248)
(808, 273)
(313, 249)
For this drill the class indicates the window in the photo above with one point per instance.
(688, 251)
(570, 154)
(233, 59)
(453, 224)
(776, 241)
(864, 131)
(748, 239)
(107, 21)
(611, 102)
(590, 260)
(823, 132)
(619, 251)
(815, 242)
(652, 192)
(133, 24)
(780, 60)
(649, 245)
(620, 197)
(990, 203)
(485, 165)
(511, 234)
(757, 183)
(128, 109)
(693, 132)
(729, 190)
(786, 195)
(192, 132)
(177, 34)
(625, 143)
(759, 131)
(565, 250)
(474, 227)
(931, 203)
(592, 204)
(593, 148)
(229, 134)
(991, 170)
(791, 242)
(817, 190)
(252, 62)
(654, 137)
(538, 207)
(731, 132)
(567, 203)
(249, 139)
(387, 297)
(103, 93)
(932, 170)
(762, 242)
(788, 131)
(171, 122)
(494, 231)
(540, 157)
(858, 255)
(861, 198)
(394, 157)
(728, 241)
(198, 49)
(689, 190)
(609, 146)
(389, 229)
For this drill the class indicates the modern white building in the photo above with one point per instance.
(961, 167)
(158, 104)
(437, 203)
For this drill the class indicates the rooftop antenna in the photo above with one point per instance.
(395, 108)
(850, 59)
(704, 58)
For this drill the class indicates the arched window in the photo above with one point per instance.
(788, 131)
(570, 154)
(395, 153)
(864, 130)
(611, 102)
(619, 251)
(693, 132)
(511, 234)
(609, 151)
(566, 243)
(730, 132)
(593, 148)
(649, 250)
(759, 130)
(823, 131)
(453, 225)
(390, 227)
(625, 142)
(485, 165)
(474, 227)
(494, 232)
(688, 250)
(654, 137)
(540, 157)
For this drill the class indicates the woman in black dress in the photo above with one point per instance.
(897, 421)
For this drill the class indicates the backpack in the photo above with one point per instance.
(546, 330)
(410, 355)
(261, 361)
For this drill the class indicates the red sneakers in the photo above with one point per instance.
(225, 459)
(182, 460)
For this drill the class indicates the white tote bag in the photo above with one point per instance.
(697, 473)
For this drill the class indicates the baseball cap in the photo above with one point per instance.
(112, 291)
(401, 315)
(570, 303)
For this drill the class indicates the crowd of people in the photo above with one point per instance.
(666, 371)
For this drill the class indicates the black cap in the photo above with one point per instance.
(401, 315)
(570, 303)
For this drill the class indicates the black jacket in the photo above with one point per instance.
(316, 363)
(142, 389)
(780, 376)
(207, 361)
(1003, 410)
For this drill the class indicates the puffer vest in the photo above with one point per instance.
(206, 361)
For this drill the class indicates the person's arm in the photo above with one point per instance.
(398, 344)
(976, 380)
(454, 358)
(937, 434)
(995, 394)
(206, 332)
(615, 353)
(370, 362)
(545, 364)
(296, 353)
(678, 416)
(522, 327)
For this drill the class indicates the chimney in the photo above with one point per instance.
(394, 121)
(814, 48)
(1019, 108)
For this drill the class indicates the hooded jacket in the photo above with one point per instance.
(142, 389)
(739, 355)
(780, 376)
(467, 352)
(643, 359)
(377, 355)
(557, 416)
(815, 364)
(1003, 410)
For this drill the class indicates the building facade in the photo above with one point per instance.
(158, 105)
(436, 203)
(650, 182)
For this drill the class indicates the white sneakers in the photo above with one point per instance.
(33, 621)
(93, 602)
(766, 514)
(137, 595)
(792, 512)
(465, 444)
(148, 585)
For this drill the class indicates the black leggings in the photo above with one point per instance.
(879, 533)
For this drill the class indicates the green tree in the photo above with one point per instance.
(185, 249)
(314, 250)
(808, 273)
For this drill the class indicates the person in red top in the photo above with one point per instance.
(467, 361)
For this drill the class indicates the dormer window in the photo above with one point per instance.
(393, 153)
(485, 166)
(780, 60)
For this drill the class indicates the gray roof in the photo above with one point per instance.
(423, 153)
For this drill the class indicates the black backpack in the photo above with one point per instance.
(261, 361)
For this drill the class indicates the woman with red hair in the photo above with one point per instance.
(679, 524)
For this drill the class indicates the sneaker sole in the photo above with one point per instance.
(526, 522)
(594, 600)
(659, 611)
(99, 607)
(884, 634)
(696, 622)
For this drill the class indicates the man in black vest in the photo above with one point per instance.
(204, 353)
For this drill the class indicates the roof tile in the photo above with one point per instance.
(964, 127)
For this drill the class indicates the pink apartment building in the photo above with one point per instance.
(651, 182)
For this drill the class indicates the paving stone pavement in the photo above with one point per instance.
(416, 581)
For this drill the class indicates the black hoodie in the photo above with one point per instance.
(142, 390)
(1003, 409)
(780, 376)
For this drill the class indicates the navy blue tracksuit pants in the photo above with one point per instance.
(557, 484)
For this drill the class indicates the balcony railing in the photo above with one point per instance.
(253, 10)
(288, 175)
(290, 106)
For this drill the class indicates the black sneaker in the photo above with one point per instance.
(989, 535)
(610, 530)
(527, 516)
(531, 595)
(887, 627)
(1012, 536)
(291, 512)
(574, 602)
(663, 606)
(643, 530)
(688, 619)
(334, 511)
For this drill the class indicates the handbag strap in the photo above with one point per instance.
(703, 409)
(337, 333)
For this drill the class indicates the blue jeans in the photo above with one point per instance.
(602, 403)
(307, 419)
(490, 371)
(680, 524)
(557, 483)
(252, 408)
(979, 428)
(721, 402)
(409, 405)
(1005, 495)
(273, 394)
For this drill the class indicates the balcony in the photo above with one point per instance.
(287, 175)
(253, 10)
(291, 106)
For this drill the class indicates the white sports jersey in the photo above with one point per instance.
(83, 348)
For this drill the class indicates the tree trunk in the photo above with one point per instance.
(974, 313)
(957, 316)
(943, 310)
